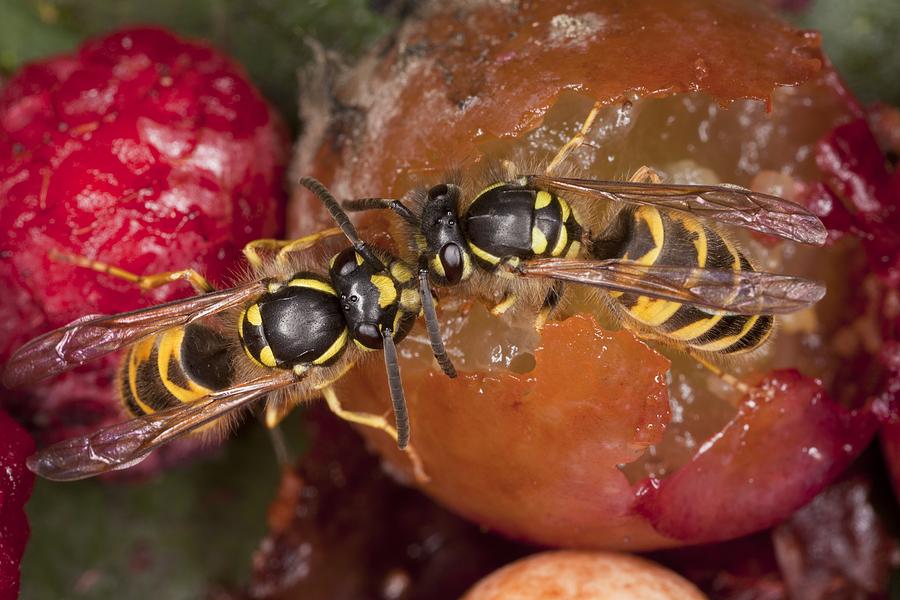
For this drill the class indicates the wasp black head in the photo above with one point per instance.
(371, 300)
(445, 242)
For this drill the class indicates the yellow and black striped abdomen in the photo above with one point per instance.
(176, 366)
(653, 237)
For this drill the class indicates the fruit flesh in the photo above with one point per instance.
(570, 491)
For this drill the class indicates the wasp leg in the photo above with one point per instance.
(554, 296)
(576, 141)
(145, 282)
(279, 443)
(378, 422)
(718, 372)
(645, 175)
(504, 305)
(284, 247)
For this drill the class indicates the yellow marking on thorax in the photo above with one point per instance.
(254, 317)
(574, 250)
(722, 343)
(336, 347)
(267, 357)
(250, 356)
(312, 284)
(170, 347)
(387, 292)
(483, 255)
(561, 242)
(542, 199)
(538, 241)
(564, 209)
(653, 312)
(653, 219)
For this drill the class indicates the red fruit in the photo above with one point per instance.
(860, 196)
(141, 150)
(15, 488)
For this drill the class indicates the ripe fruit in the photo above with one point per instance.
(139, 149)
(603, 444)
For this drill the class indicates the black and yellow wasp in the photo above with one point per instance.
(289, 334)
(657, 249)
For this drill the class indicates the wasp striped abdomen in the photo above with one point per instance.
(179, 365)
(650, 237)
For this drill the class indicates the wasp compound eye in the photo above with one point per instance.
(344, 263)
(438, 191)
(367, 334)
(451, 258)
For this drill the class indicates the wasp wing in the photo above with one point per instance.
(732, 205)
(720, 290)
(128, 443)
(93, 336)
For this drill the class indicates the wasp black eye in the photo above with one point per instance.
(345, 262)
(451, 258)
(438, 191)
(369, 336)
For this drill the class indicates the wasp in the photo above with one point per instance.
(668, 270)
(192, 364)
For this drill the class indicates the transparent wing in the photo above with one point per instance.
(93, 336)
(728, 204)
(125, 444)
(736, 292)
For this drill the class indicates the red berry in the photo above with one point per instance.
(15, 488)
(142, 150)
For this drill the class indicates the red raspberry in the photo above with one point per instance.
(141, 150)
(15, 488)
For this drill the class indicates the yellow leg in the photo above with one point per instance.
(145, 282)
(378, 422)
(728, 378)
(646, 175)
(576, 141)
(504, 305)
(554, 296)
(279, 445)
(284, 247)
(718, 372)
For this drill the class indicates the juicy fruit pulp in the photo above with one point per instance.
(601, 444)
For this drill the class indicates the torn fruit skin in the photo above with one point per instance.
(558, 455)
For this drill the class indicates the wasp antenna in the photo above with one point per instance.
(342, 220)
(396, 385)
(431, 324)
(361, 204)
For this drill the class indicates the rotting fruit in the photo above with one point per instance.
(589, 437)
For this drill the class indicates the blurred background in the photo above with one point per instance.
(209, 516)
